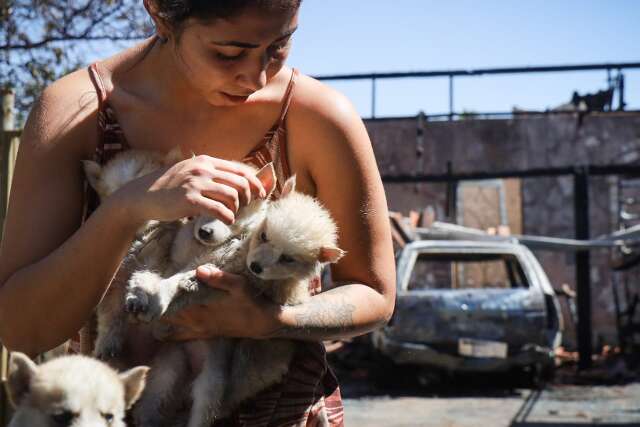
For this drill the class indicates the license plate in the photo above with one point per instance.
(481, 348)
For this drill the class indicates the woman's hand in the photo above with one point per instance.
(237, 312)
(200, 185)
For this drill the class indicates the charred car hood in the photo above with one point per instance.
(440, 317)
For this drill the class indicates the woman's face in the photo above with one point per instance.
(227, 60)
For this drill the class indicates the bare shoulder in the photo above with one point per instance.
(324, 128)
(315, 100)
(64, 112)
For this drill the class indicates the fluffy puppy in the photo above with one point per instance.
(74, 391)
(294, 239)
(125, 167)
(150, 247)
(203, 240)
(297, 238)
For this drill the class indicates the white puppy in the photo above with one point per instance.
(149, 248)
(280, 255)
(297, 238)
(71, 391)
(203, 240)
(200, 241)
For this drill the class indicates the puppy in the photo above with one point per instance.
(295, 237)
(125, 167)
(202, 240)
(74, 391)
(149, 248)
(149, 295)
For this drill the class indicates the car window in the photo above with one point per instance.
(466, 271)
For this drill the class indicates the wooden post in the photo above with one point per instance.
(7, 153)
(8, 147)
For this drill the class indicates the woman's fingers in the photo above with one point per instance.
(238, 182)
(221, 192)
(215, 209)
(188, 324)
(218, 279)
(245, 171)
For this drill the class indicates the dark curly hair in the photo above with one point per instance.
(175, 12)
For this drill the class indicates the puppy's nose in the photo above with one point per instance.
(205, 233)
(255, 267)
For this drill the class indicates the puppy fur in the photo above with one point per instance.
(151, 245)
(294, 238)
(74, 391)
(204, 240)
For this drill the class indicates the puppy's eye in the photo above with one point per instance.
(285, 259)
(263, 237)
(63, 418)
(108, 417)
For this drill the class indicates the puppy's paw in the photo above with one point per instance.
(144, 307)
(136, 301)
(189, 284)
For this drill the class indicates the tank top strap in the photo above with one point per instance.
(273, 147)
(98, 83)
(111, 139)
(288, 96)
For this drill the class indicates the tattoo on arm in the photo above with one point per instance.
(327, 315)
(331, 317)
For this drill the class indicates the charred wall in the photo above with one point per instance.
(416, 145)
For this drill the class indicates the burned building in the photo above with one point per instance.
(538, 204)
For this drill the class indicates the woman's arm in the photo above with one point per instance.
(332, 143)
(53, 274)
(331, 154)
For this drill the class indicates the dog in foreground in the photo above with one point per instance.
(71, 391)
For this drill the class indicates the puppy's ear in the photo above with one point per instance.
(21, 371)
(330, 254)
(288, 187)
(134, 381)
(267, 176)
(174, 156)
(92, 171)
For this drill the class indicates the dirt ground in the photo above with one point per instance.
(555, 406)
(383, 395)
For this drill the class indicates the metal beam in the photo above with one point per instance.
(451, 112)
(583, 266)
(373, 98)
(630, 170)
(484, 71)
(621, 103)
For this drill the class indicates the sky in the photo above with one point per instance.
(364, 36)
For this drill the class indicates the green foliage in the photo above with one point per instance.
(41, 40)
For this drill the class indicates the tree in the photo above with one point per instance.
(41, 40)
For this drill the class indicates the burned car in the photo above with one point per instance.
(471, 306)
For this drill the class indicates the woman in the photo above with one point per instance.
(213, 82)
